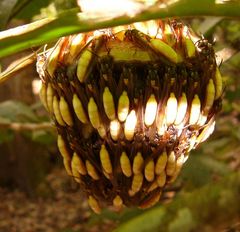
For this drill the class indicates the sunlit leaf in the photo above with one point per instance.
(41, 32)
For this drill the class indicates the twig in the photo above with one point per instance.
(17, 65)
(17, 126)
(225, 54)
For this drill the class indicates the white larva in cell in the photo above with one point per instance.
(93, 113)
(125, 164)
(78, 108)
(57, 112)
(182, 109)
(108, 104)
(105, 160)
(130, 125)
(65, 112)
(115, 129)
(171, 109)
(151, 110)
(83, 64)
(195, 110)
(123, 106)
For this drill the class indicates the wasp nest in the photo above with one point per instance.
(129, 105)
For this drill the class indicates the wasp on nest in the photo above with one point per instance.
(129, 105)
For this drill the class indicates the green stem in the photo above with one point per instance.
(47, 30)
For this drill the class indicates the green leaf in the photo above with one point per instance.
(200, 169)
(70, 22)
(191, 211)
(43, 137)
(35, 9)
(26, 9)
(183, 222)
(16, 111)
(147, 221)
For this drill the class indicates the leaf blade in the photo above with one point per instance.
(70, 22)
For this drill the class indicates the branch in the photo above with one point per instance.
(223, 55)
(17, 65)
(47, 30)
(17, 126)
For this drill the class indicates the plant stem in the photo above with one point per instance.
(47, 30)
(17, 126)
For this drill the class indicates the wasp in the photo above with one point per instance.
(129, 105)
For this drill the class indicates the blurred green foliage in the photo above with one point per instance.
(18, 112)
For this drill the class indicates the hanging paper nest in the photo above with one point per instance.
(129, 105)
